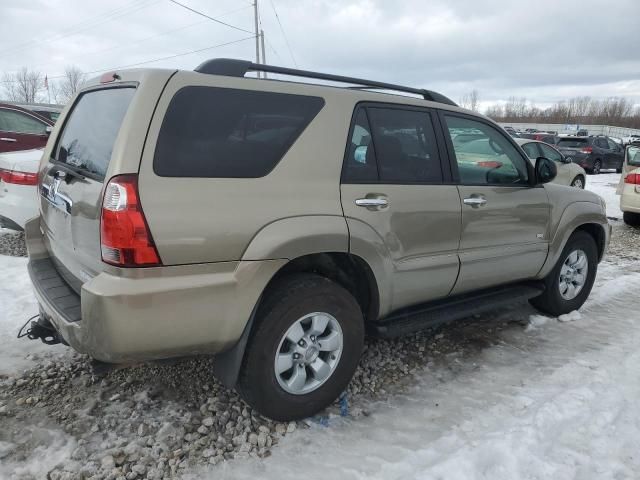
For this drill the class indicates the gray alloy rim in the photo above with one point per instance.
(573, 274)
(308, 353)
(596, 167)
(577, 183)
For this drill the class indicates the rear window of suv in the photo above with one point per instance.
(216, 132)
(91, 129)
(572, 142)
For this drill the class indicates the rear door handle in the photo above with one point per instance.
(4, 139)
(474, 201)
(372, 202)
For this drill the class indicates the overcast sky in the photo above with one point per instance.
(544, 50)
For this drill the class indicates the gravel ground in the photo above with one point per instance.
(154, 420)
(12, 243)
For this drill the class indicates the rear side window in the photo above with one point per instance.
(91, 129)
(18, 122)
(227, 133)
(405, 146)
(572, 142)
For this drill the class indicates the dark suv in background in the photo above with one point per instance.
(592, 153)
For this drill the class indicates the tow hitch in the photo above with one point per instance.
(41, 329)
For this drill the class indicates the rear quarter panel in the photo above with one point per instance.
(196, 220)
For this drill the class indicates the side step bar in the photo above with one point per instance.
(433, 314)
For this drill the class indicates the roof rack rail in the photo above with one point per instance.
(238, 68)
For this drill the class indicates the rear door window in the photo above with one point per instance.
(573, 142)
(18, 122)
(216, 132)
(405, 146)
(91, 129)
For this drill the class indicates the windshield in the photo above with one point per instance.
(572, 142)
(91, 130)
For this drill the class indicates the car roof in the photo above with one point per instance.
(521, 141)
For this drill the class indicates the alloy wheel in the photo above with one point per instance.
(573, 274)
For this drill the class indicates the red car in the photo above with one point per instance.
(22, 129)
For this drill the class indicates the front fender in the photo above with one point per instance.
(574, 216)
(295, 237)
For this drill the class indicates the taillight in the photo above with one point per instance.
(586, 150)
(633, 179)
(490, 164)
(18, 178)
(125, 239)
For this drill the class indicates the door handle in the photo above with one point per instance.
(4, 139)
(372, 202)
(474, 201)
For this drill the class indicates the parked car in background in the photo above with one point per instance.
(629, 186)
(22, 129)
(545, 137)
(569, 173)
(18, 190)
(630, 139)
(511, 131)
(592, 153)
(582, 133)
(47, 110)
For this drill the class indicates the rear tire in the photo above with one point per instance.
(564, 279)
(286, 346)
(632, 219)
(597, 166)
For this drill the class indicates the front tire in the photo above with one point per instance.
(578, 182)
(569, 283)
(632, 219)
(304, 350)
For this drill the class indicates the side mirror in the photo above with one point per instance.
(48, 130)
(567, 160)
(546, 170)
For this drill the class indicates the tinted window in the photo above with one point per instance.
(550, 153)
(489, 159)
(573, 142)
(360, 164)
(18, 122)
(612, 145)
(531, 149)
(91, 130)
(220, 132)
(405, 145)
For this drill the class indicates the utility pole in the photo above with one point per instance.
(264, 57)
(255, 14)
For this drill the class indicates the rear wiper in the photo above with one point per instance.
(73, 171)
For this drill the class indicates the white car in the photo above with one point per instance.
(18, 187)
(569, 173)
(631, 138)
(629, 187)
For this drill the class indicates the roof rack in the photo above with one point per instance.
(238, 68)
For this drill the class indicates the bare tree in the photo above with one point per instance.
(23, 86)
(470, 100)
(68, 85)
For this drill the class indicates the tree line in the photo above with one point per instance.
(31, 86)
(585, 110)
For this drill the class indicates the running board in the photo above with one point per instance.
(433, 314)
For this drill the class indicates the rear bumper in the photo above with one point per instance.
(18, 203)
(125, 315)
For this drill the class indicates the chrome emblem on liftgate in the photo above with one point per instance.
(51, 194)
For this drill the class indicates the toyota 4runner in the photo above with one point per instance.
(272, 223)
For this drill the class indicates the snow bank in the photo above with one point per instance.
(605, 185)
(17, 304)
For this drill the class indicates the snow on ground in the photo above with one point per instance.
(17, 304)
(605, 185)
(557, 401)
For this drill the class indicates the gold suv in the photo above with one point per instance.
(272, 222)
